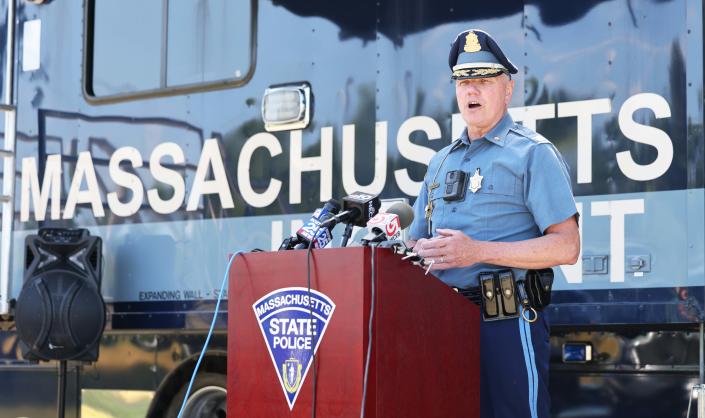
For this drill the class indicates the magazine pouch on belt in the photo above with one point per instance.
(499, 298)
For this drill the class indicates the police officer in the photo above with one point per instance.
(497, 198)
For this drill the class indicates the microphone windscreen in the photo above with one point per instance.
(332, 206)
(404, 212)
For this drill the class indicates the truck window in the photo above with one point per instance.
(141, 48)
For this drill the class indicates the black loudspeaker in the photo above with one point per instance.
(60, 313)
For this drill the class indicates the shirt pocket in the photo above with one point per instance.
(501, 181)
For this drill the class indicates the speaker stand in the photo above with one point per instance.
(61, 392)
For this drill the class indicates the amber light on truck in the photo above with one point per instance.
(286, 107)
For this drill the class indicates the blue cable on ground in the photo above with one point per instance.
(210, 332)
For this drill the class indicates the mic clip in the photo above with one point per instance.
(400, 248)
(373, 238)
(393, 244)
(289, 243)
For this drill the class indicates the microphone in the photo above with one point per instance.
(358, 208)
(388, 226)
(314, 229)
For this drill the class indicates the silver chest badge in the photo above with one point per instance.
(476, 181)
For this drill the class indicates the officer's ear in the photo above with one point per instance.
(509, 90)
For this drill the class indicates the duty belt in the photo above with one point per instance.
(472, 294)
(501, 296)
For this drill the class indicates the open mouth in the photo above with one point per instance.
(473, 105)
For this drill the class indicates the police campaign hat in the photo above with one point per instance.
(474, 54)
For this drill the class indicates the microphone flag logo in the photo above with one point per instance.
(293, 322)
(393, 227)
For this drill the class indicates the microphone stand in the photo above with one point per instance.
(346, 234)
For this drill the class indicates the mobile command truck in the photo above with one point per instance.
(182, 131)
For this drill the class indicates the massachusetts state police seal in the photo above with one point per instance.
(293, 322)
(291, 375)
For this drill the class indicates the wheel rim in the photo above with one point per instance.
(206, 402)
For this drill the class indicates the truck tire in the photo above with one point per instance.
(206, 400)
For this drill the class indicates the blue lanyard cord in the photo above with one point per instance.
(210, 332)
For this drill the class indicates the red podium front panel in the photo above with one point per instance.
(425, 339)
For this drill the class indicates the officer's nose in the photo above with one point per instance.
(472, 89)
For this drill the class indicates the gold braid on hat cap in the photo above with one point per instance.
(477, 72)
(485, 71)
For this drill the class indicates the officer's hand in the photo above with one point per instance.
(418, 245)
(449, 249)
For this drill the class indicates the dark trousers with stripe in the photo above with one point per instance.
(514, 371)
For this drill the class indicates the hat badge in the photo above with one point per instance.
(472, 44)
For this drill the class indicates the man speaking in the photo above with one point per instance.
(496, 206)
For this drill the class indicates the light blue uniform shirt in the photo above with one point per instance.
(525, 189)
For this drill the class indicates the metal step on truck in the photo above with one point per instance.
(179, 132)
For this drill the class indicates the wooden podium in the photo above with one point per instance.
(425, 339)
